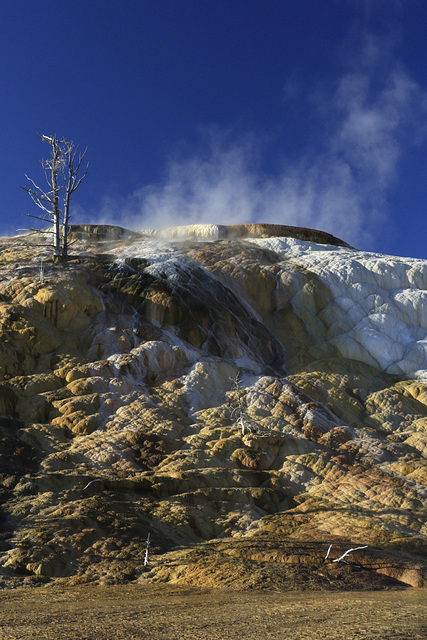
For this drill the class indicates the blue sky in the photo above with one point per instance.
(304, 112)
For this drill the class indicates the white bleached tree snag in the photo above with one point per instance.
(147, 546)
(341, 558)
(240, 410)
(91, 482)
(70, 170)
(61, 174)
(41, 272)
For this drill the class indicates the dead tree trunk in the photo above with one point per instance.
(56, 213)
(61, 173)
(70, 169)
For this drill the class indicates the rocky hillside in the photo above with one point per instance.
(244, 396)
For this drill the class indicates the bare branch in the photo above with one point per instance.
(48, 195)
(43, 219)
(341, 558)
(81, 179)
(46, 175)
(46, 138)
(91, 482)
(70, 152)
(37, 199)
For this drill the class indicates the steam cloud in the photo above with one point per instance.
(372, 115)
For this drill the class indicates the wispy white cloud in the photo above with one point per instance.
(374, 123)
(374, 112)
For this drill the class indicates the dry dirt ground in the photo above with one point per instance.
(161, 612)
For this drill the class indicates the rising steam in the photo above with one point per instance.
(368, 120)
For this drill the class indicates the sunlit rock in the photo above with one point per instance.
(259, 384)
(375, 310)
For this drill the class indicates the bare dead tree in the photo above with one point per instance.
(341, 558)
(345, 554)
(61, 173)
(48, 201)
(239, 411)
(147, 547)
(70, 170)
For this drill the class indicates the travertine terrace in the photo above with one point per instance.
(245, 395)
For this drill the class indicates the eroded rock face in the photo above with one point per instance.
(241, 387)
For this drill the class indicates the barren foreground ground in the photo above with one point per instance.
(163, 612)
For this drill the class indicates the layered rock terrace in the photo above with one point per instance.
(232, 391)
